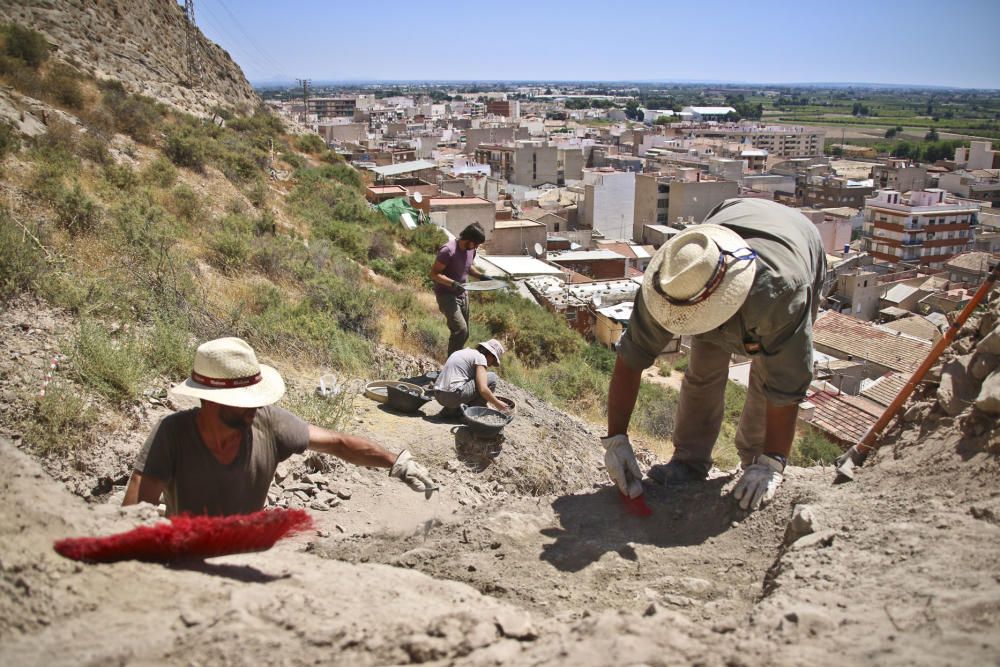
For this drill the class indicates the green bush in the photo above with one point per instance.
(310, 143)
(232, 243)
(342, 173)
(114, 367)
(655, 410)
(171, 349)
(62, 84)
(134, 115)
(25, 44)
(280, 258)
(185, 148)
(186, 204)
(293, 160)
(10, 140)
(813, 447)
(94, 148)
(160, 173)
(538, 336)
(120, 177)
(426, 238)
(76, 212)
(356, 307)
(63, 421)
(21, 261)
(258, 193)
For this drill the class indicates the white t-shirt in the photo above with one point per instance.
(459, 369)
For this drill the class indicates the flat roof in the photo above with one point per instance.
(514, 224)
(403, 167)
(459, 201)
(521, 265)
(584, 255)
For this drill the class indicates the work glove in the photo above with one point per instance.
(759, 482)
(414, 474)
(619, 460)
(458, 286)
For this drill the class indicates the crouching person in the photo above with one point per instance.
(465, 380)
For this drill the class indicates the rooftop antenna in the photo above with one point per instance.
(418, 197)
(539, 250)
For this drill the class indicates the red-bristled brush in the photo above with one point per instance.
(636, 506)
(189, 538)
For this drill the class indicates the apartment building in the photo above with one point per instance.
(499, 158)
(535, 164)
(332, 107)
(778, 140)
(831, 191)
(978, 184)
(900, 175)
(925, 229)
(505, 108)
(608, 202)
(686, 194)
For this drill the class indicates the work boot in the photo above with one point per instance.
(676, 472)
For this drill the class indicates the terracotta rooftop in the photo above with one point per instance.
(971, 261)
(916, 326)
(846, 418)
(886, 388)
(845, 335)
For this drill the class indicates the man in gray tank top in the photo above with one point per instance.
(219, 459)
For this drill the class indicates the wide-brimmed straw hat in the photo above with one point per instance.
(226, 371)
(699, 279)
(494, 347)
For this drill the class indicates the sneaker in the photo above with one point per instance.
(676, 472)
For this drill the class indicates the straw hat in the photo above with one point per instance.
(494, 347)
(226, 371)
(699, 279)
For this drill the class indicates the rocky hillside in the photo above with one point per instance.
(144, 45)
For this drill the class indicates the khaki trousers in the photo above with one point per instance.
(455, 308)
(701, 407)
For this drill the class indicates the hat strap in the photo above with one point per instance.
(226, 383)
(714, 280)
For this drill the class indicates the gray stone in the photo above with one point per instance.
(991, 343)
(982, 365)
(318, 506)
(324, 496)
(344, 494)
(281, 472)
(803, 522)
(957, 389)
(316, 478)
(964, 345)
(987, 323)
(822, 538)
(515, 624)
(988, 400)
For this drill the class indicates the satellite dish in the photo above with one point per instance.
(539, 250)
(417, 197)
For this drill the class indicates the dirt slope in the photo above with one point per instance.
(524, 557)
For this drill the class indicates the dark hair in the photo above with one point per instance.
(473, 233)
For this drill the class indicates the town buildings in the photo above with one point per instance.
(926, 229)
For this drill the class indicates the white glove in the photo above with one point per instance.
(414, 474)
(619, 460)
(759, 482)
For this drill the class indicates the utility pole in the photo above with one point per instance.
(193, 70)
(305, 83)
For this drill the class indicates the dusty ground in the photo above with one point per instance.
(525, 556)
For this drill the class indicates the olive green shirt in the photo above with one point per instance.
(197, 483)
(776, 320)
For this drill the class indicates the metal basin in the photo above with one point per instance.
(485, 421)
(406, 397)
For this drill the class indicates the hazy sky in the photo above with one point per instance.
(927, 42)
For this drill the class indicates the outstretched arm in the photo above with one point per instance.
(143, 489)
(483, 388)
(622, 393)
(352, 448)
